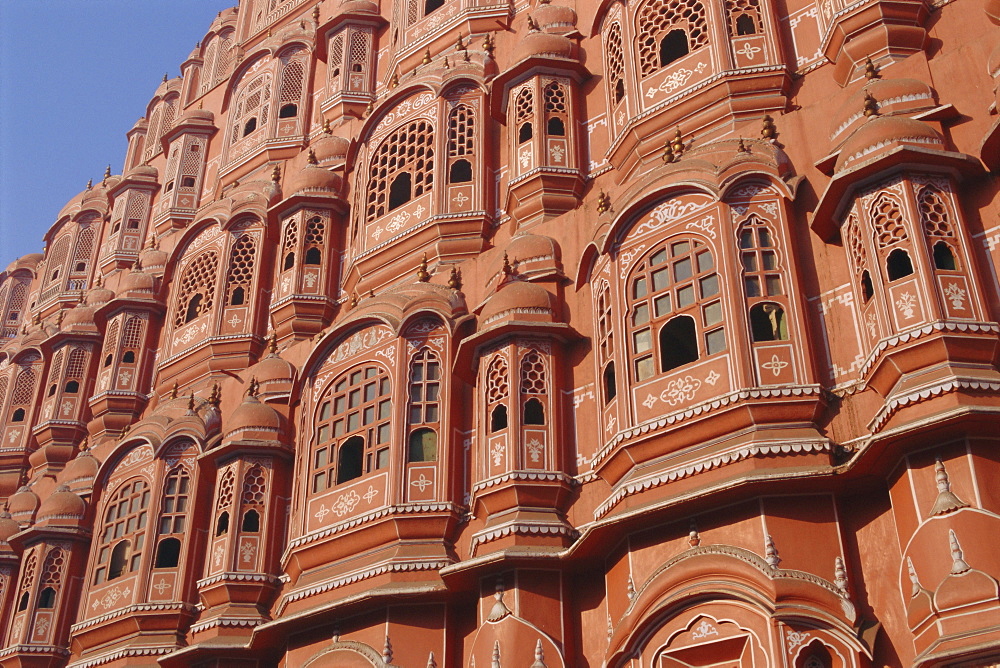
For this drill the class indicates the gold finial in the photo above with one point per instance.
(741, 147)
(276, 173)
(191, 401)
(173, 391)
(354, 300)
(90, 183)
(871, 105)
(871, 69)
(488, 44)
(532, 25)
(126, 429)
(394, 81)
(447, 65)
(327, 128)
(311, 158)
(201, 105)
(603, 202)
(36, 320)
(768, 131)
(460, 45)
(422, 274)
(272, 343)
(269, 32)
(370, 108)
(507, 269)
(427, 57)
(107, 173)
(455, 280)
(215, 398)
(316, 13)
(677, 144)
(253, 388)
(668, 152)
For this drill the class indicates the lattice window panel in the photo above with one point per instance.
(111, 338)
(208, 78)
(226, 490)
(3, 390)
(855, 245)
(359, 51)
(533, 375)
(223, 56)
(132, 334)
(199, 277)
(15, 309)
(555, 99)
(84, 249)
(167, 121)
(254, 101)
(425, 388)
(524, 106)
(291, 235)
(125, 518)
(409, 148)
(291, 82)
(737, 8)
(175, 502)
(497, 386)
(77, 365)
(24, 388)
(887, 219)
(136, 207)
(175, 157)
(241, 264)
(461, 130)
(28, 579)
(57, 261)
(56, 367)
(336, 54)
(315, 232)
(605, 331)
(153, 134)
(254, 486)
(51, 574)
(412, 12)
(193, 158)
(934, 214)
(657, 18)
(615, 60)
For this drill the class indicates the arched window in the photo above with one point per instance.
(556, 109)
(676, 279)
(313, 256)
(423, 445)
(27, 582)
(743, 17)
(51, 578)
(498, 418)
(288, 111)
(407, 150)
(767, 322)
(497, 392)
(425, 388)
(196, 293)
(615, 62)
(610, 383)
(606, 342)
(120, 545)
(119, 560)
(461, 171)
(867, 290)
(72, 387)
(898, 264)
(252, 499)
(292, 80)
(944, 258)
(289, 261)
(315, 235)
(761, 275)
(251, 522)
(461, 143)
(431, 5)
(534, 388)
(168, 553)
(250, 114)
(667, 30)
(353, 427)
(47, 599)
(887, 221)
(222, 524)
(524, 113)
(556, 128)
(18, 415)
(534, 412)
(524, 132)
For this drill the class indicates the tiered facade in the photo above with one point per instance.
(645, 333)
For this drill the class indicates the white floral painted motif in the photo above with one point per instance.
(906, 304)
(956, 295)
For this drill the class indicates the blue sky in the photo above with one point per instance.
(75, 75)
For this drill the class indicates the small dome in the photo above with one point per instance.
(143, 172)
(331, 147)
(22, 505)
(882, 131)
(273, 369)
(963, 589)
(79, 318)
(8, 527)
(153, 260)
(138, 284)
(99, 295)
(82, 467)
(893, 96)
(544, 45)
(253, 416)
(358, 7)
(519, 300)
(313, 178)
(555, 18)
(62, 504)
(533, 253)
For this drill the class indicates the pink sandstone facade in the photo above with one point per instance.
(638, 334)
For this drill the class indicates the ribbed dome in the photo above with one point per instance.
(533, 253)
(313, 178)
(142, 172)
(22, 504)
(519, 300)
(252, 415)
(82, 467)
(138, 284)
(153, 259)
(555, 18)
(8, 527)
(273, 368)
(330, 147)
(62, 504)
(882, 131)
(99, 295)
(893, 96)
(80, 317)
(358, 7)
(544, 45)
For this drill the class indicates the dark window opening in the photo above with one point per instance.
(745, 25)
(336, 72)
(47, 599)
(673, 46)
(168, 553)
(289, 261)
(238, 297)
(119, 560)
(461, 172)
(313, 256)
(133, 223)
(250, 126)
(18, 415)
(52, 389)
(288, 111)
(108, 360)
(222, 524)
(251, 521)
(524, 133)
(186, 182)
(400, 190)
(55, 274)
(117, 226)
(610, 384)
(767, 323)
(193, 309)
(534, 412)
(498, 419)
(23, 603)
(943, 257)
(431, 5)
(72, 387)
(349, 466)
(80, 266)
(898, 264)
(867, 291)
(678, 343)
(423, 446)
(356, 67)
(167, 188)
(556, 127)
(128, 357)
(619, 91)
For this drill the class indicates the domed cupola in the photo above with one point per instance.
(253, 420)
(22, 505)
(138, 285)
(81, 471)
(99, 295)
(62, 507)
(152, 259)
(538, 44)
(519, 301)
(552, 18)
(533, 256)
(882, 134)
(80, 320)
(274, 374)
(889, 97)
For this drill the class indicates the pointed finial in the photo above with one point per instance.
(311, 157)
(668, 152)
(460, 45)
(59, 318)
(354, 300)
(447, 65)
(191, 402)
(768, 130)
(422, 274)
(90, 183)
(327, 128)
(871, 70)
(958, 564)
(771, 552)
(253, 388)
(387, 650)
(677, 144)
(316, 13)
(107, 174)
(914, 582)
(946, 500)
(431, 663)
(276, 173)
(500, 609)
(603, 202)
(174, 390)
(532, 25)
(631, 588)
(507, 269)
(98, 281)
(215, 398)
(840, 576)
(871, 105)
(427, 57)
(394, 81)
(741, 147)
(164, 77)
(370, 108)
(694, 538)
(495, 663)
(488, 44)
(201, 105)
(455, 280)
(272, 343)
(539, 656)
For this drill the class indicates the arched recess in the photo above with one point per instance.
(348, 654)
